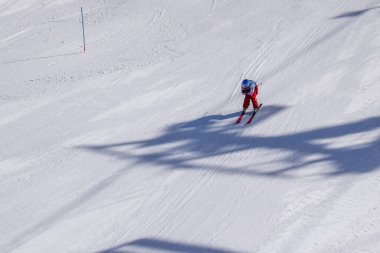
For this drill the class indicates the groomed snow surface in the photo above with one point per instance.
(132, 147)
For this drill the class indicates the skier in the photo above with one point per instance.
(250, 89)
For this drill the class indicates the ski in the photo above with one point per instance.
(253, 115)
(240, 118)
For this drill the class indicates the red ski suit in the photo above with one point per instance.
(251, 97)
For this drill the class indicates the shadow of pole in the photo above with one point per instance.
(42, 58)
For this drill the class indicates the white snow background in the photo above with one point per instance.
(132, 147)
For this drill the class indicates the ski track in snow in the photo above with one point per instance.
(132, 147)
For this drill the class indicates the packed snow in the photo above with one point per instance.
(131, 146)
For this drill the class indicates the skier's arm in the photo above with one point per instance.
(253, 91)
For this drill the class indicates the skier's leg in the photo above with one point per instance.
(246, 103)
(255, 103)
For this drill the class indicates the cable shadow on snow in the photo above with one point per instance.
(160, 245)
(184, 145)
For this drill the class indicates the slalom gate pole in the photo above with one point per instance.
(84, 38)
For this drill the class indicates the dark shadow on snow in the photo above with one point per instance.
(159, 245)
(288, 62)
(353, 14)
(204, 138)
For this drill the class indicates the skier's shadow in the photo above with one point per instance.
(208, 120)
(215, 135)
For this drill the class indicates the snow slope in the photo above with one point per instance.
(131, 147)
